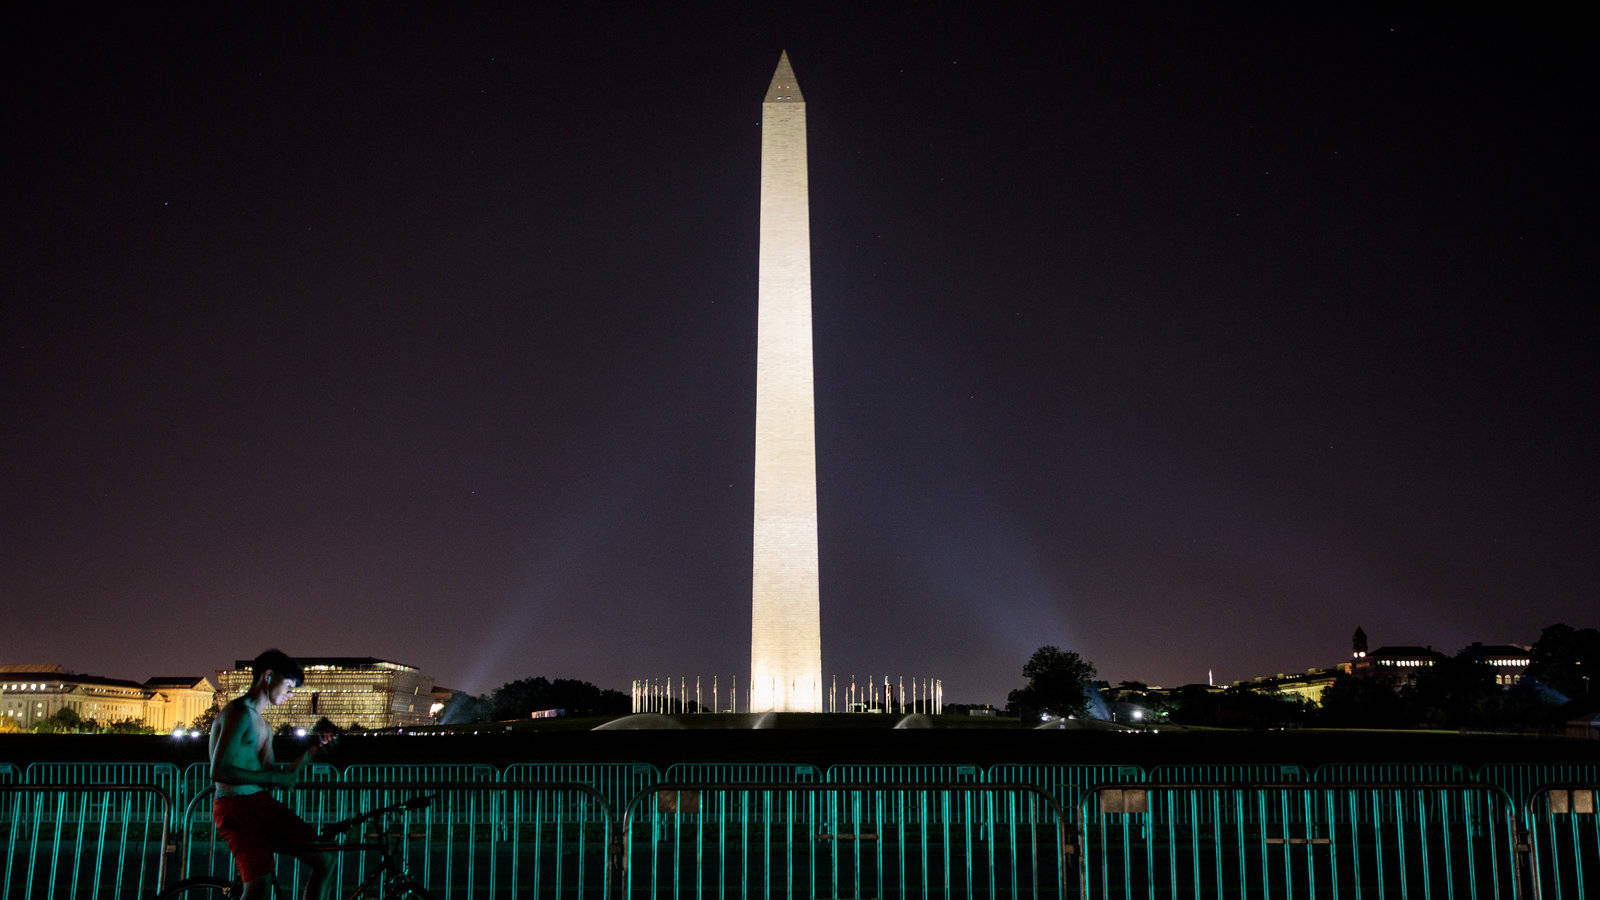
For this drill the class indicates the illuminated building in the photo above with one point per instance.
(346, 690)
(1399, 664)
(176, 701)
(29, 694)
(1507, 660)
(1308, 685)
(785, 631)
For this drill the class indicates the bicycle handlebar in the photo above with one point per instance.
(414, 804)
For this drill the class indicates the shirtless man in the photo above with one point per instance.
(244, 770)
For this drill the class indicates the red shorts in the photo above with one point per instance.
(256, 826)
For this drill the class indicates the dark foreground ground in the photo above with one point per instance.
(829, 746)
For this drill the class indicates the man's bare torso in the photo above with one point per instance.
(249, 747)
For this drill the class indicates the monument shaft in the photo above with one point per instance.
(786, 630)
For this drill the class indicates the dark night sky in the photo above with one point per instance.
(430, 335)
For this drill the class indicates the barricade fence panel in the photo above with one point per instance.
(1525, 780)
(1393, 773)
(194, 779)
(96, 829)
(1227, 773)
(903, 774)
(618, 783)
(97, 841)
(1065, 783)
(1297, 840)
(163, 776)
(1564, 841)
(542, 840)
(199, 850)
(743, 773)
(701, 840)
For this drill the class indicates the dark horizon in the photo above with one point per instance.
(1182, 342)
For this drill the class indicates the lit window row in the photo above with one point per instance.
(1406, 662)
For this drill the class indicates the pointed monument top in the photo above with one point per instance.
(784, 89)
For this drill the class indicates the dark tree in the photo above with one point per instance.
(1240, 706)
(1057, 681)
(1456, 693)
(464, 709)
(202, 723)
(129, 726)
(516, 699)
(65, 721)
(1354, 701)
(1566, 659)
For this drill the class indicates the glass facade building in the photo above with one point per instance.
(348, 691)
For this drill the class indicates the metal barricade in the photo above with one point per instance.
(743, 773)
(1524, 780)
(544, 838)
(617, 782)
(705, 839)
(1065, 782)
(124, 774)
(1564, 841)
(103, 842)
(1310, 840)
(1227, 773)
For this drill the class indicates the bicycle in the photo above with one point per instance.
(391, 872)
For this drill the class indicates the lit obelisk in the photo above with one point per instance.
(786, 629)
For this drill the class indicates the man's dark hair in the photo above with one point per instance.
(278, 661)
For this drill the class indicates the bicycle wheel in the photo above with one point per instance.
(200, 889)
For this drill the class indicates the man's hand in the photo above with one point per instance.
(325, 731)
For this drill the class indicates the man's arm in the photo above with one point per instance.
(233, 753)
(319, 739)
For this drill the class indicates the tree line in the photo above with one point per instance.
(1458, 692)
(520, 699)
(67, 720)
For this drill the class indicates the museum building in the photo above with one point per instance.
(348, 691)
(32, 693)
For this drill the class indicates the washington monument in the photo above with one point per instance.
(786, 630)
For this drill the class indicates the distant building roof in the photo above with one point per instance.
(176, 681)
(1314, 674)
(1406, 653)
(342, 662)
(1477, 650)
(57, 675)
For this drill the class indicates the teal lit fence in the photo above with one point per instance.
(614, 830)
(97, 842)
(698, 840)
(1564, 840)
(478, 839)
(1298, 840)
